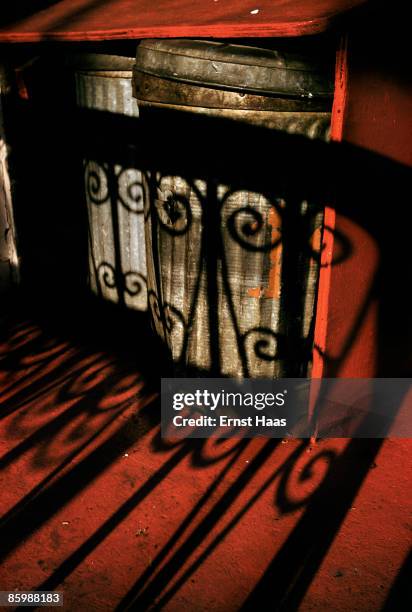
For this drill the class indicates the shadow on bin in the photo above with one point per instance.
(117, 258)
(234, 226)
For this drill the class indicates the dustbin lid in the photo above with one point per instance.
(244, 68)
(99, 62)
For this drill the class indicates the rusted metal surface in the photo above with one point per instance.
(301, 72)
(117, 258)
(165, 91)
(223, 80)
(228, 285)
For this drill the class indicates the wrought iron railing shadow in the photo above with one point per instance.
(371, 198)
(234, 236)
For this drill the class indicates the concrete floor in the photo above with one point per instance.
(95, 504)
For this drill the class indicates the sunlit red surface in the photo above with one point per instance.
(96, 504)
(117, 19)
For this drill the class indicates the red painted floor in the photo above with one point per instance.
(95, 504)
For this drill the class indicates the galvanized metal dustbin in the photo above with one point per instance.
(231, 289)
(117, 256)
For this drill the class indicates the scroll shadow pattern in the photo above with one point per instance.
(322, 484)
(233, 275)
(91, 424)
(117, 258)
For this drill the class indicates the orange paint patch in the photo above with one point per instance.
(273, 288)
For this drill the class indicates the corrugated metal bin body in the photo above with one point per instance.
(222, 268)
(9, 264)
(117, 257)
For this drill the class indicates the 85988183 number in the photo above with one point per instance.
(31, 598)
